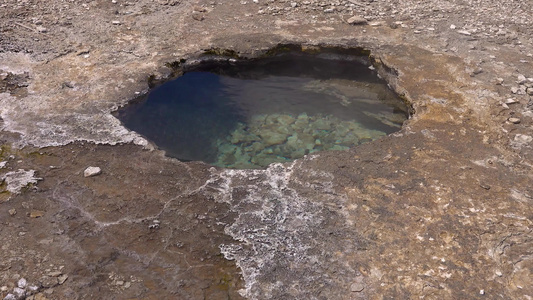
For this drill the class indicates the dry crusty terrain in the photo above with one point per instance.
(441, 209)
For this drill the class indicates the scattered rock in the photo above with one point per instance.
(169, 2)
(40, 296)
(521, 79)
(514, 120)
(356, 20)
(115, 22)
(10, 297)
(36, 213)
(62, 278)
(49, 291)
(154, 225)
(510, 101)
(19, 293)
(55, 273)
(200, 9)
(198, 16)
(48, 282)
(92, 171)
(22, 283)
(12, 212)
(41, 29)
(357, 287)
(33, 288)
(521, 140)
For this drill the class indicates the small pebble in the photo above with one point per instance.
(33, 288)
(356, 20)
(61, 279)
(41, 29)
(357, 287)
(521, 79)
(20, 293)
(54, 274)
(12, 212)
(514, 120)
(36, 213)
(22, 283)
(10, 297)
(92, 171)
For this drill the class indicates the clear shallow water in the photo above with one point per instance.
(250, 114)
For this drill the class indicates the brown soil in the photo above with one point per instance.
(442, 208)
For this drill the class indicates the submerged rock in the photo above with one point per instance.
(267, 139)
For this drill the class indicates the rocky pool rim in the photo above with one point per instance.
(217, 55)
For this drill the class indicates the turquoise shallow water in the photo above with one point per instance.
(250, 114)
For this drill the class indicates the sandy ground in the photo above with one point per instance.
(441, 209)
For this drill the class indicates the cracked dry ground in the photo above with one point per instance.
(440, 209)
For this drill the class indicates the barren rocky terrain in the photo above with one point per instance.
(440, 209)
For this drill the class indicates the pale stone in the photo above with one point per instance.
(20, 293)
(521, 79)
(54, 274)
(357, 287)
(36, 213)
(356, 20)
(514, 120)
(61, 279)
(92, 171)
(22, 283)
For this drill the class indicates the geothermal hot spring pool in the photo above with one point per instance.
(248, 114)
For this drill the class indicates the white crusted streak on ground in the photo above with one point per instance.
(280, 232)
(16, 180)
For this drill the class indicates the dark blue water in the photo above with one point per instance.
(247, 115)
